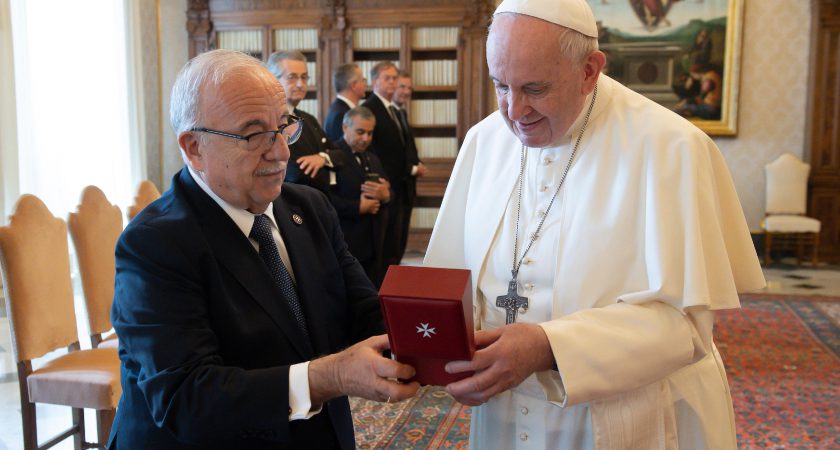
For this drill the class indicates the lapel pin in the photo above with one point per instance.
(297, 219)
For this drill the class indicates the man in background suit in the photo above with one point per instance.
(234, 298)
(349, 83)
(361, 193)
(390, 143)
(313, 158)
(402, 95)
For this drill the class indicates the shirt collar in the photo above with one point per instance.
(243, 219)
(346, 100)
(385, 101)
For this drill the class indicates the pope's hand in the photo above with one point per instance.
(506, 356)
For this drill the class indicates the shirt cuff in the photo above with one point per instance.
(300, 404)
(327, 157)
(414, 170)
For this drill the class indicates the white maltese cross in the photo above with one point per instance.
(424, 328)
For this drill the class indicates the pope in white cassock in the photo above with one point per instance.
(603, 232)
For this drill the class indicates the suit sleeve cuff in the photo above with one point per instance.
(300, 404)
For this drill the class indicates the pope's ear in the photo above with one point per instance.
(592, 67)
(190, 145)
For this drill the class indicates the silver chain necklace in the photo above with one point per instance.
(512, 302)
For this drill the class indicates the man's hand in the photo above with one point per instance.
(421, 170)
(380, 190)
(506, 357)
(360, 371)
(311, 164)
(368, 205)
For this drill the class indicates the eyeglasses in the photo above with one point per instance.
(293, 78)
(264, 139)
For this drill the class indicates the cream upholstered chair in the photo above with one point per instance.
(784, 221)
(146, 193)
(36, 275)
(95, 228)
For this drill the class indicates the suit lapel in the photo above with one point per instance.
(300, 247)
(235, 253)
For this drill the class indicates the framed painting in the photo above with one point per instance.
(682, 54)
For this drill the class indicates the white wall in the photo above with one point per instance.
(9, 190)
(773, 95)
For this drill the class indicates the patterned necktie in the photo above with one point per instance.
(261, 232)
(401, 113)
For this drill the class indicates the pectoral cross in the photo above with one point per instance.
(511, 302)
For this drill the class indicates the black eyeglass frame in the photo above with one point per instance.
(247, 138)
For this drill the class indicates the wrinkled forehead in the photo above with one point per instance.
(239, 81)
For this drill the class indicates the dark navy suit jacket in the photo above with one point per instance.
(335, 116)
(206, 338)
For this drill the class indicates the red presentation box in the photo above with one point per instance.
(428, 315)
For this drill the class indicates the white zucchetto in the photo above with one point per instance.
(573, 14)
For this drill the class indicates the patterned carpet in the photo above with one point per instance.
(782, 355)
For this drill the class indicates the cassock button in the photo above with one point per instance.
(523, 436)
(524, 411)
(529, 286)
(297, 219)
(543, 188)
(547, 161)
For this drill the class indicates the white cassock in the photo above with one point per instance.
(645, 239)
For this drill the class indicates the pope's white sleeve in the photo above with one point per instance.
(602, 352)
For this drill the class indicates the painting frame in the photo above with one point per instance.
(665, 57)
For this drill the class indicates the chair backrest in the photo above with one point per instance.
(95, 228)
(35, 263)
(146, 193)
(787, 185)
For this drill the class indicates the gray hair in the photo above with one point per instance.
(577, 46)
(343, 75)
(359, 111)
(379, 67)
(274, 60)
(207, 70)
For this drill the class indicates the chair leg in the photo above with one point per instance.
(79, 420)
(30, 425)
(27, 408)
(800, 244)
(816, 247)
(768, 240)
(104, 420)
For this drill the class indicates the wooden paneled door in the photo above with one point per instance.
(824, 130)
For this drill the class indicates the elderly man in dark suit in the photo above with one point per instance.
(393, 144)
(234, 298)
(313, 159)
(362, 193)
(349, 83)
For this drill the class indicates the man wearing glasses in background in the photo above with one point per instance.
(314, 159)
(235, 293)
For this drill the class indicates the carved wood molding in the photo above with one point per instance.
(199, 27)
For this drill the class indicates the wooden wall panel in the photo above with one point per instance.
(824, 136)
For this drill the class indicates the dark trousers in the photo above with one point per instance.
(396, 230)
